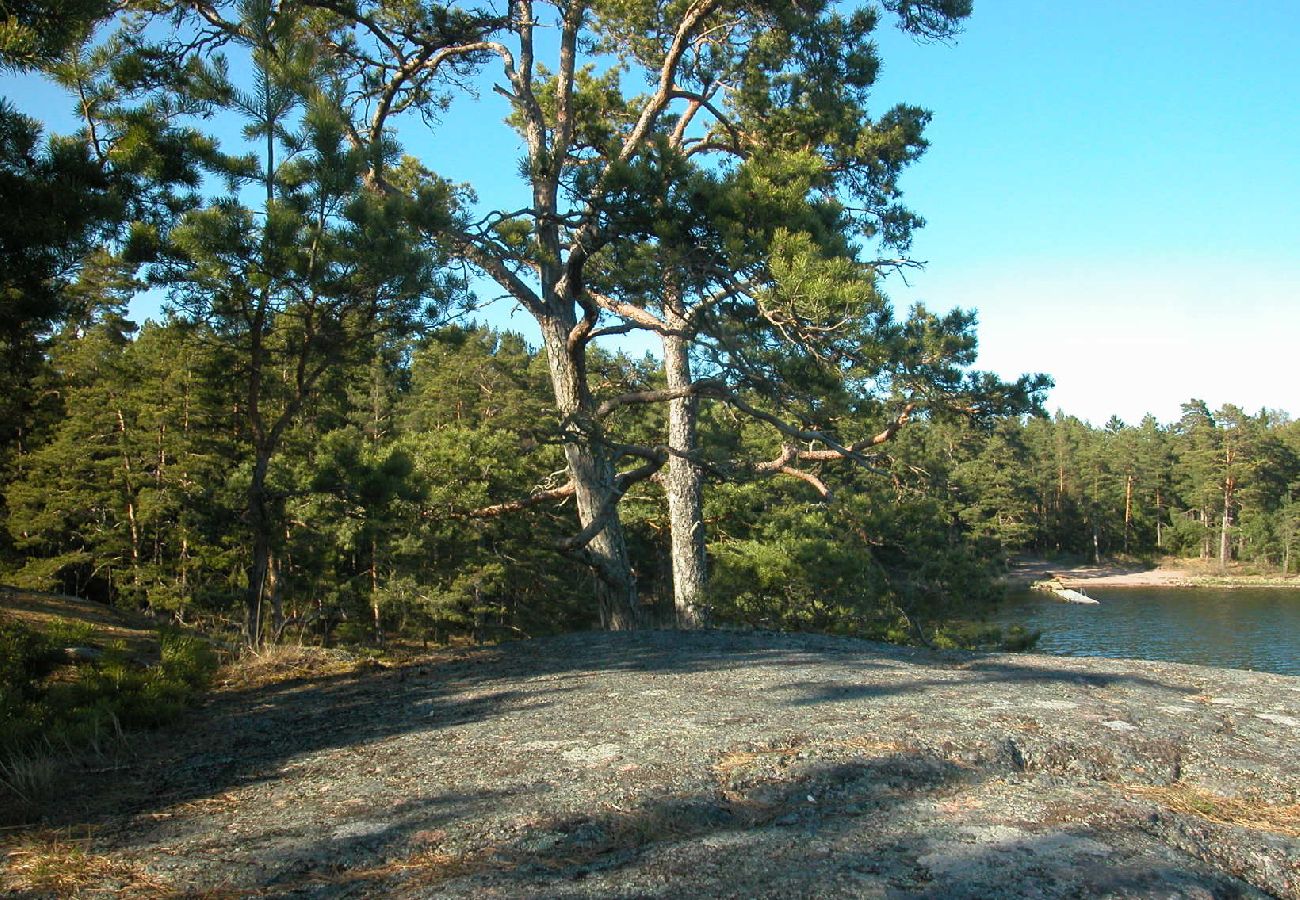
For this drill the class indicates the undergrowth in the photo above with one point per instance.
(52, 708)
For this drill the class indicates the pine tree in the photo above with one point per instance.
(600, 155)
(305, 284)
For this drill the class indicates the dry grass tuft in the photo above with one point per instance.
(29, 774)
(1189, 800)
(275, 664)
(435, 866)
(424, 868)
(60, 864)
(735, 760)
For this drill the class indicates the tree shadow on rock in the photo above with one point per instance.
(861, 826)
(254, 736)
(665, 845)
(246, 736)
(982, 673)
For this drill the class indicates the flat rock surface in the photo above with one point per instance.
(717, 764)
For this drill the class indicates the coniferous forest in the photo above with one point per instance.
(319, 439)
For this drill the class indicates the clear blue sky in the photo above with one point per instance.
(1114, 186)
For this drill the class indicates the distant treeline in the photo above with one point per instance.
(1219, 485)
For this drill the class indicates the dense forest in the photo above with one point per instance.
(1215, 485)
(319, 440)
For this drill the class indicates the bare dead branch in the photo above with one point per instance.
(703, 387)
(498, 270)
(699, 100)
(803, 475)
(887, 434)
(630, 312)
(534, 499)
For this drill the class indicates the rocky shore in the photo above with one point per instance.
(714, 765)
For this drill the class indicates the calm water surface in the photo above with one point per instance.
(1241, 628)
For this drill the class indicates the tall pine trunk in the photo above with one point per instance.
(128, 483)
(275, 594)
(683, 484)
(375, 617)
(1160, 516)
(1225, 549)
(1128, 509)
(592, 472)
(260, 524)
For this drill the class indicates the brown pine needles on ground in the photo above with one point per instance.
(59, 863)
(1191, 800)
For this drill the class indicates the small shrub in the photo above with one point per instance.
(354, 633)
(188, 659)
(25, 657)
(983, 636)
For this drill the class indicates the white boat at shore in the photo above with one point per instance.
(1073, 596)
(1069, 595)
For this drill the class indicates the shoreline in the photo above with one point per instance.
(1025, 572)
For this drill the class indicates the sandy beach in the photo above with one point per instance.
(1181, 573)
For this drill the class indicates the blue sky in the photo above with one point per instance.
(1115, 187)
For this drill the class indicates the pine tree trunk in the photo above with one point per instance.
(683, 484)
(592, 472)
(129, 485)
(1205, 533)
(274, 590)
(1128, 509)
(1160, 536)
(1229, 485)
(374, 589)
(158, 480)
(259, 521)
